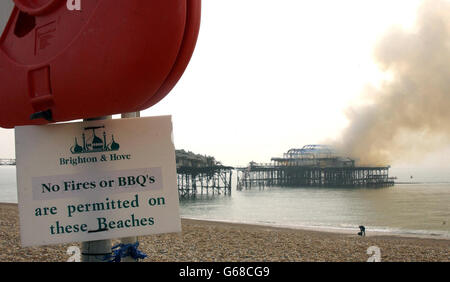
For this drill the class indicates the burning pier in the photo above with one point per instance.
(197, 174)
(313, 165)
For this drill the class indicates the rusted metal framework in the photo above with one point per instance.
(313, 155)
(201, 174)
(213, 180)
(313, 165)
(311, 151)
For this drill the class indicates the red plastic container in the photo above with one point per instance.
(113, 56)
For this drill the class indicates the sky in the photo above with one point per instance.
(267, 76)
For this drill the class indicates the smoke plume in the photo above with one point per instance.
(409, 114)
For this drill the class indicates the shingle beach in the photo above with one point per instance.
(207, 241)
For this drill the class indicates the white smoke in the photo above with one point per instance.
(409, 114)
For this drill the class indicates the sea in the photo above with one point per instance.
(418, 207)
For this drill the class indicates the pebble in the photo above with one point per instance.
(206, 241)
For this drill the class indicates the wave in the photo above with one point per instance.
(341, 229)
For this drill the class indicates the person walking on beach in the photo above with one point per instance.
(362, 230)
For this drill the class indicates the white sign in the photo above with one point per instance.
(96, 180)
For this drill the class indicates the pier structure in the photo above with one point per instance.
(213, 180)
(312, 166)
(202, 175)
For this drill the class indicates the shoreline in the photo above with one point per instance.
(319, 229)
(326, 229)
(212, 241)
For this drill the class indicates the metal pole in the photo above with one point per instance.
(130, 240)
(6, 8)
(95, 251)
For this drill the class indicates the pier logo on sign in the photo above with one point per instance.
(92, 143)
